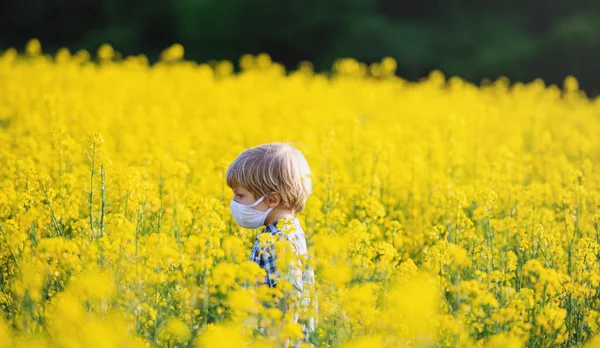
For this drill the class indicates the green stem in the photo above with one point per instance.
(9, 249)
(92, 190)
(161, 183)
(103, 202)
(54, 219)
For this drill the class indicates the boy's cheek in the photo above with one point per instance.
(252, 200)
(263, 206)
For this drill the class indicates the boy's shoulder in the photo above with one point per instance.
(286, 228)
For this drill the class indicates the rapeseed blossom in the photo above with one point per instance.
(443, 213)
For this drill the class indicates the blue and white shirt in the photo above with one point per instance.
(300, 274)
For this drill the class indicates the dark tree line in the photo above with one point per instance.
(473, 39)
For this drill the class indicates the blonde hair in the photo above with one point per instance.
(275, 167)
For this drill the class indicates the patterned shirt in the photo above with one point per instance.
(265, 254)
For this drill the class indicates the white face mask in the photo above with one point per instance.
(246, 216)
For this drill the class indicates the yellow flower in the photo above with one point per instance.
(222, 336)
(292, 331)
(512, 261)
(177, 329)
(5, 334)
(458, 254)
(34, 47)
(504, 340)
(571, 84)
(442, 213)
(106, 52)
(173, 53)
(243, 301)
(365, 342)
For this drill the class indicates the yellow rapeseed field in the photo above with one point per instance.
(444, 213)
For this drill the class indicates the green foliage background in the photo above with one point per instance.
(473, 39)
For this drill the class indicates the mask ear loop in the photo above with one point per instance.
(266, 213)
(257, 202)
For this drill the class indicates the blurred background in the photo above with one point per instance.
(474, 39)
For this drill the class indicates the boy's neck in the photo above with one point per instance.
(278, 214)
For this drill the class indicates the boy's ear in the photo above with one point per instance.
(273, 199)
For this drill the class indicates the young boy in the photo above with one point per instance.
(271, 184)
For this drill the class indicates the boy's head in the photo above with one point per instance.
(276, 171)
